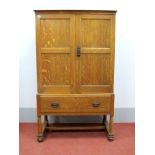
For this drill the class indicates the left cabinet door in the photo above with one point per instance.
(55, 46)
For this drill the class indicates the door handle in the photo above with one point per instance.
(78, 51)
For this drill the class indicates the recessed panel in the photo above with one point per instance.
(55, 69)
(95, 69)
(55, 33)
(95, 33)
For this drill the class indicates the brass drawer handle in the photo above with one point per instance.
(96, 104)
(55, 105)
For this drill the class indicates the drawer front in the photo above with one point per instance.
(75, 104)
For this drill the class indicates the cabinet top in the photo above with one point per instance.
(76, 11)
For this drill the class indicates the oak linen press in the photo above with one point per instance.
(75, 67)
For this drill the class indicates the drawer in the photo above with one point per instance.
(75, 104)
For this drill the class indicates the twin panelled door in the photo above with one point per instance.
(75, 53)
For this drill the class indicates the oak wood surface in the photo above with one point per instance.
(55, 57)
(75, 104)
(75, 126)
(71, 84)
(75, 11)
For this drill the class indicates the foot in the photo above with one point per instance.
(110, 137)
(40, 138)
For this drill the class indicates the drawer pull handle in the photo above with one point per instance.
(55, 105)
(96, 104)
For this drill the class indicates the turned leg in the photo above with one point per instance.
(40, 133)
(40, 130)
(110, 124)
(110, 129)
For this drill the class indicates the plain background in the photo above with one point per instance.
(142, 32)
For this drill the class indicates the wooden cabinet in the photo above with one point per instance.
(75, 65)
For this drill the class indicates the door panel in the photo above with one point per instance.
(95, 33)
(55, 52)
(94, 69)
(95, 62)
(55, 33)
(58, 74)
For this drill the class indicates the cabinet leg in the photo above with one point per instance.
(110, 130)
(40, 136)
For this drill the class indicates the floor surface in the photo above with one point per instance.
(77, 143)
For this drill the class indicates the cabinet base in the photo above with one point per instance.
(76, 127)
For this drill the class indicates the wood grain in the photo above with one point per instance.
(95, 32)
(95, 65)
(75, 126)
(55, 33)
(56, 69)
(69, 84)
(55, 55)
(95, 69)
(76, 104)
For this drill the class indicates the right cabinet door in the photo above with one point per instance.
(95, 65)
